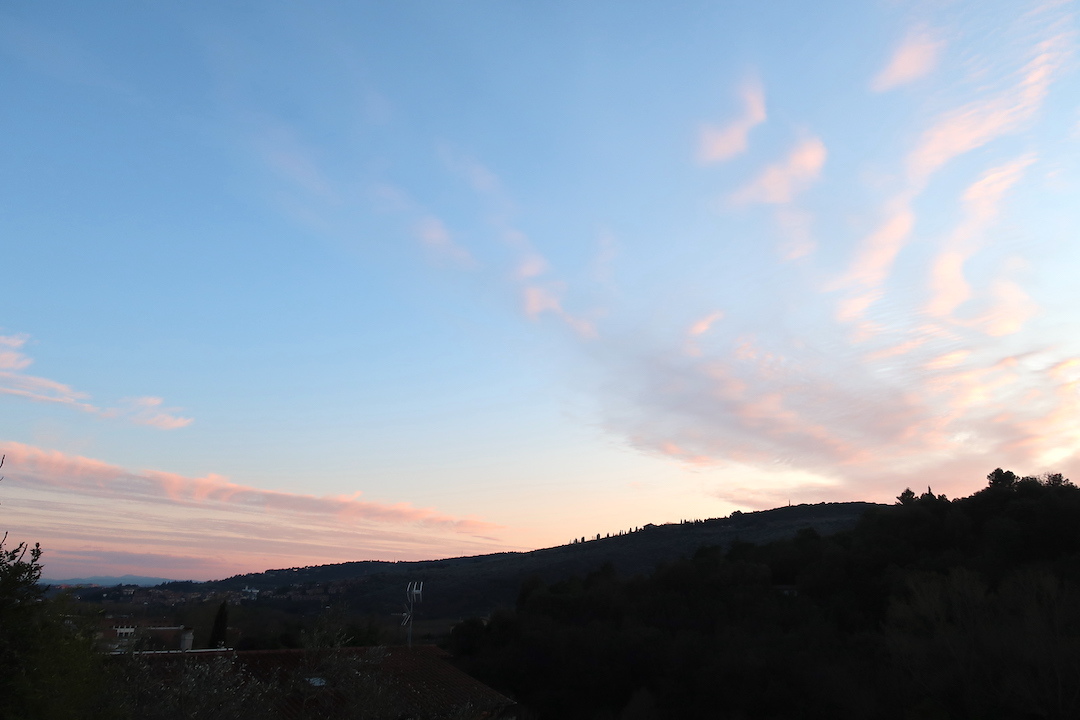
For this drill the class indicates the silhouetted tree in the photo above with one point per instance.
(48, 667)
(1002, 479)
(219, 632)
(927, 608)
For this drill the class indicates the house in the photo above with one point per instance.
(391, 682)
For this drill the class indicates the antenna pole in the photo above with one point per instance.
(414, 593)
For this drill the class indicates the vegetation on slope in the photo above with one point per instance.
(927, 609)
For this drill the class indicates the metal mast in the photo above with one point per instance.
(414, 593)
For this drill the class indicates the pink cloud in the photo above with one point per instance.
(719, 144)
(74, 505)
(915, 56)
(875, 417)
(215, 489)
(142, 411)
(702, 326)
(41, 389)
(931, 400)
(779, 183)
(1012, 308)
(975, 124)
(896, 350)
(948, 360)
(147, 411)
(949, 287)
(853, 308)
(540, 300)
(878, 251)
(532, 265)
(13, 359)
(955, 133)
(698, 329)
(433, 234)
(1053, 437)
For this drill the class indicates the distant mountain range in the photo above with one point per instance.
(110, 580)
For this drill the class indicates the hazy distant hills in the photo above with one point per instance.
(111, 580)
(458, 587)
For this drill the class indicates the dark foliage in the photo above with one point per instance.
(928, 608)
(48, 668)
(220, 630)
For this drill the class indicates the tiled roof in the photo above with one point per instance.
(413, 682)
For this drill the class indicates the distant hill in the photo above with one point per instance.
(460, 587)
(927, 608)
(111, 580)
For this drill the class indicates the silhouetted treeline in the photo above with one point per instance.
(928, 609)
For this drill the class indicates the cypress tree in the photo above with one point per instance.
(221, 626)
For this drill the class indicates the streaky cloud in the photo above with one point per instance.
(141, 411)
(981, 201)
(717, 144)
(539, 300)
(83, 507)
(915, 57)
(779, 183)
(702, 326)
(975, 124)
(432, 232)
(950, 135)
(94, 477)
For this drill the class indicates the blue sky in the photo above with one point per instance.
(289, 284)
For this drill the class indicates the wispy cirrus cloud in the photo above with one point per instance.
(540, 291)
(953, 133)
(433, 233)
(976, 123)
(14, 382)
(887, 391)
(717, 144)
(426, 227)
(11, 356)
(51, 468)
(147, 410)
(56, 496)
(780, 182)
(698, 329)
(539, 300)
(981, 201)
(1011, 307)
(915, 56)
(936, 405)
(702, 326)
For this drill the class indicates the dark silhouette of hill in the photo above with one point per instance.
(929, 608)
(465, 586)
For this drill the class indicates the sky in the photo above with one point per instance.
(291, 283)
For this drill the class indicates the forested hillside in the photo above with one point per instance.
(459, 587)
(930, 608)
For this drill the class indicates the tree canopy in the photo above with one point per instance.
(929, 608)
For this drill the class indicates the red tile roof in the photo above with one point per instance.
(413, 682)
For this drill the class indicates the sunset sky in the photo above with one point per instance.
(294, 283)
